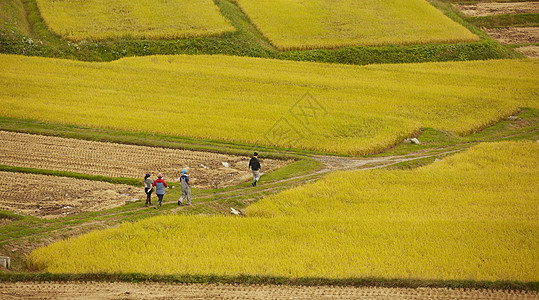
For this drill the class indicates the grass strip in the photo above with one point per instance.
(517, 20)
(146, 139)
(115, 180)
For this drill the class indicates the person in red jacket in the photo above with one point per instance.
(160, 186)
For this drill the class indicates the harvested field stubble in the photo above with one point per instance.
(117, 160)
(99, 290)
(52, 196)
(495, 8)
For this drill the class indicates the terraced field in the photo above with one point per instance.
(316, 107)
(415, 219)
(207, 170)
(100, 20)
(292, 25)
(363, 224)
(52, 196)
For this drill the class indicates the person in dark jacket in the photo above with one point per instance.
(254, 165)
(160, 186)
(148, 188)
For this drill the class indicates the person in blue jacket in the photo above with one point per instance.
(186, 188)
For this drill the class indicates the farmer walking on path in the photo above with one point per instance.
(186, 188)
(160, 186)
(148, 189)
(254, 165)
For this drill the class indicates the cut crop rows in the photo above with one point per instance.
(118, 160)
(52, 196)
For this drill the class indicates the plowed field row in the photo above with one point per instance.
(93, 290)
(52, 196)
(118, 160)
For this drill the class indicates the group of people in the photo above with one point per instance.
(160, 184)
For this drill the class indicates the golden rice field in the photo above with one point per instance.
(297, 24)
(311, 106)
(472, 216)
(206, 170)
(100, 19)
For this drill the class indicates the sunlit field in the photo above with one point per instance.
(307, 106)
(472, 216)
(330, 24)
(99, 19)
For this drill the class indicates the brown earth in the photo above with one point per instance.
(529, 51)
(514, 35)
(99, 290)
(51, 196)
(489, 9)
(206, 169)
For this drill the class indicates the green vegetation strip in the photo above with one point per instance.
(269, 280)
(115, 180)
(145, 139)
(517, 20)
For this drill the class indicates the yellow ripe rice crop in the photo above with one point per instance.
(298, 24)
(100, 19)
(313, 106)
(470, 217)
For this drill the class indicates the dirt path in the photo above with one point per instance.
(93, 290)
(489, 9)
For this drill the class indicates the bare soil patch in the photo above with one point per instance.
(98, 290)
(489, 9)
(514, 35)
(529, 51)
(51, 196)
(207, 170)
